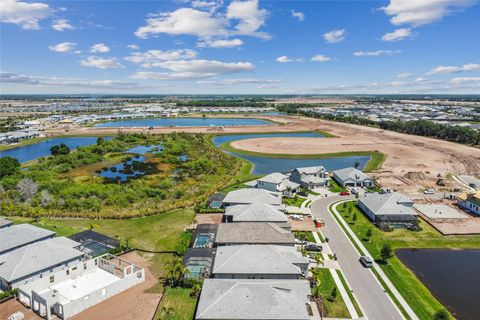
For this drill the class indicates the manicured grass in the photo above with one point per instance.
(413, 291)
(161, 232)
(337, 308)
(349, 292)
(294, 202)
(304, 235)
(335, 187)
(181, 304)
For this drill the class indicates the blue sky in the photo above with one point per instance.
(240, 46)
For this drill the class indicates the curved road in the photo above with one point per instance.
(374, 301)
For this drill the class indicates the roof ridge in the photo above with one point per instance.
(229, 258)
(214, 302)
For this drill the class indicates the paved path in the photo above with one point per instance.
(373, 300)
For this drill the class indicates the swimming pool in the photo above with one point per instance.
(203, 240)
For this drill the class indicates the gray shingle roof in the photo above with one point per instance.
(37, 256)
(4, 222)
(253, 299)
(310, 170)
(275, 177)
(388, 204)
(351, 173)
(255, 212)
(253, 233)
(258, 259)
(21, 234)
(248, 195)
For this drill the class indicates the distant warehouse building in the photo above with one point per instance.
(388, 208)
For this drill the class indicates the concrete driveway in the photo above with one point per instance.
(374, 302)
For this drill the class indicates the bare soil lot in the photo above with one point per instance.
(135, 303)
(10, 307)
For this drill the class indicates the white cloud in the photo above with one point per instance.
(183, 21)
(420, 12)
(462, 80)
(284, 59)
(228, 82)
(62, 25)
(152, 58)
(25, 14)
(194, 69)
(133, 47)
(397, 35)
(101, 63)
(63, 47)
(220, 43)
(469, 67)
(334, 36)
(211, 6)
(298, 15)
(250, 17)
(404, 75)
(321, 58)
(375, 53)
(99, 48)
(9, 77)
(241, 18)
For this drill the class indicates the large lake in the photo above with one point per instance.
(266, 165)
(452, 276)
(184, 122)
(42, 149)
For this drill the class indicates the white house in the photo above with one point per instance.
(249, 195)
(277, 182)
(68, 292)
(310, 177)
(351, 177)
(254, 212)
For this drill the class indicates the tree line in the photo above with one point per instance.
(425, 128)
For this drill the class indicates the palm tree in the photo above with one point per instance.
(166, 313)
(196, 289)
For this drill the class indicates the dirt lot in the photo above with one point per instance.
(134, 303)
(304, 225)
(12, 306)
(209, 218)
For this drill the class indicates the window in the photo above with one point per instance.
(84, 266)
(68, 272)
(52, 279)
(104, 291)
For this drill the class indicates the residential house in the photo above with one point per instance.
(259, 262)
(351, 177)
(68, 292)
(388, 208)
(470, 202)
(278, 182)
(310, 177)
(253, 233)
(248, 196)
(37, 260)
(256, 212)
(254, 299)
(21, 235)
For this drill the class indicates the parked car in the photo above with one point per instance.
(344, 193)
(354, 190)
(429, 191)
(302, 242)
(313, 247)
(366, 261)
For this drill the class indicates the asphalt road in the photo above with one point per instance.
(374, 302)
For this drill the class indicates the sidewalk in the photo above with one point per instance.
(377, 268)
(333, 266)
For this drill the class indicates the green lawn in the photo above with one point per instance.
(337, 308)
(179, 302)
(294, 202)
(413, 291)
(305, 236)
(335, 187)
